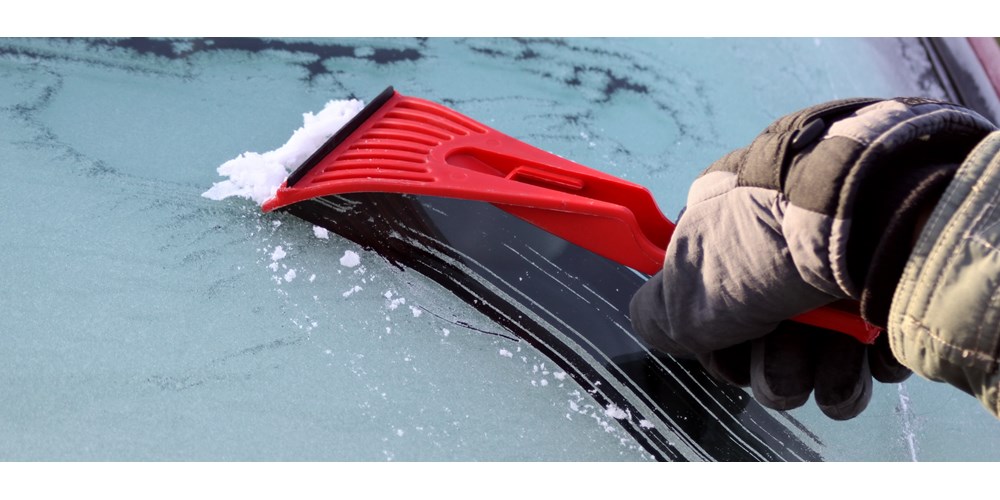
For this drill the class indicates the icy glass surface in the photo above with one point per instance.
(141, 321)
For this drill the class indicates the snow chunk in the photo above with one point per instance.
(416, 311)
(290, 275)
(352, 291)
(278, 253)
(321, 232)
(350, 259)
(257, 176)
(394, 303)
(506, 353)
(615, 412)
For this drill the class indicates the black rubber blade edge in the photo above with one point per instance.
(341, 135)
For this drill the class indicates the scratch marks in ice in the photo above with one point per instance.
(906, 417)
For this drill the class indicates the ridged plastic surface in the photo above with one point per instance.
(414, 146)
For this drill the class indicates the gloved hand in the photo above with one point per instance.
(822, 206)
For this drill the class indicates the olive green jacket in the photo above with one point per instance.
(944, 322)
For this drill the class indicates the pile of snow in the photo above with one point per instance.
(257, 176)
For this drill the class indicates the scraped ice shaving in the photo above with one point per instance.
(321, 233)
(646, 424)
(416, 311)
(278, 253)
(395, 303)
(350, 259)
(506, 353)
(559, 375)
(353, 290)
(257, 176)
(615, 412)
(290, 275)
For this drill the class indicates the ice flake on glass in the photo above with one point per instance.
(321, 233)
(278, 253)
(350, 259)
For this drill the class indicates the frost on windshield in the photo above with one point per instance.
(144, 321)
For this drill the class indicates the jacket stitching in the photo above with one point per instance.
(929, 333)
(991, 305)
(936, 250)
(984, 214)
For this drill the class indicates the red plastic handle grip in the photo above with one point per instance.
(835, 319)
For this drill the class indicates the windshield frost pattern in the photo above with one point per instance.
(146, 322)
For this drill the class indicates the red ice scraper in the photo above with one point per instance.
(406, 145)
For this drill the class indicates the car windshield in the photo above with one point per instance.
(145, 321)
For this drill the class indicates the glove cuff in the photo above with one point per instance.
(881, 240)
(839, 182)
